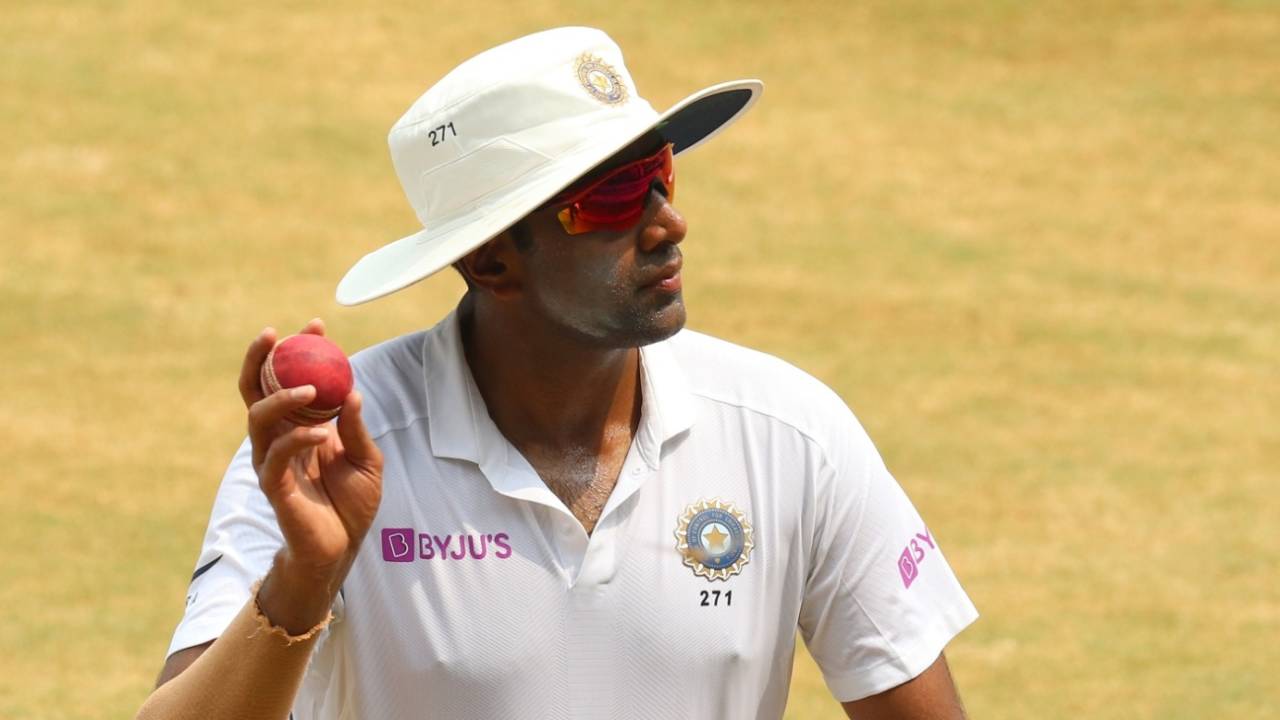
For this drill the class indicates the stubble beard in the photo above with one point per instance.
(635, 321)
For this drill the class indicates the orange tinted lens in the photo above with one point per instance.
(617, 200)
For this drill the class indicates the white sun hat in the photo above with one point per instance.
(506, 131)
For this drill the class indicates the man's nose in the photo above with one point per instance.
(666, 224)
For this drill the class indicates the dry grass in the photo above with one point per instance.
(1033, 244)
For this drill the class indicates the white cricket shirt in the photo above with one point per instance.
(750, 503)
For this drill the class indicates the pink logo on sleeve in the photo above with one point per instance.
(397, 544)
(907, 568)
(912, 555)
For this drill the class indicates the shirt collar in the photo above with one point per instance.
(667, 407)
(460, 426)
(458, 421)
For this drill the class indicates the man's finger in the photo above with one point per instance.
(250, 387)
(266, 414)
(272, 477)
(359, 447)
(314, 326)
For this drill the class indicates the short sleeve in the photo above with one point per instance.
(880, 600)
(239, 548)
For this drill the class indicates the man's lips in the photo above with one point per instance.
(667, 278)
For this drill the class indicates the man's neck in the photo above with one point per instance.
(541, 389)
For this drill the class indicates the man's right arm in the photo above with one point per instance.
(248, 673)
(324, 486)
(180, 661)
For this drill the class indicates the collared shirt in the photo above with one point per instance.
(751, 503)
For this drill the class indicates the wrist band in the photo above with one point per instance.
(264, 622)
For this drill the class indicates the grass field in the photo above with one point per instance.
(1035, 245)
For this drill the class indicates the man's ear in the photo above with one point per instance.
(494, 268)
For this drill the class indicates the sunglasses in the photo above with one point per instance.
(617, 199)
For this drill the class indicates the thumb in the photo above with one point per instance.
(358, 446)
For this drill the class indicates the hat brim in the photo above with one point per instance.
(687, 124)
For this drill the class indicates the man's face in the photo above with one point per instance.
(613, 289)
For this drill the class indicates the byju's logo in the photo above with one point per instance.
(402, 545)
(397, 544)
(912, 555)
(907, 568)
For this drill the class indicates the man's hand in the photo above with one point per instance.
(324, 486)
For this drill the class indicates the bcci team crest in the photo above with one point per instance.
(601, 80)
(714, 538)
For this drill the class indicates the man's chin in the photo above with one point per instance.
(664, 323)
(636, 326)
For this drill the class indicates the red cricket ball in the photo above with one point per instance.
(308, 359)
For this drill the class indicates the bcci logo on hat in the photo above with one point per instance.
(714, 539)
(601, 80)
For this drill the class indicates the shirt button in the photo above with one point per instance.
(635, 471)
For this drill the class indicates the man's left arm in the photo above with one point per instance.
(931, 695)
(880, 600)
